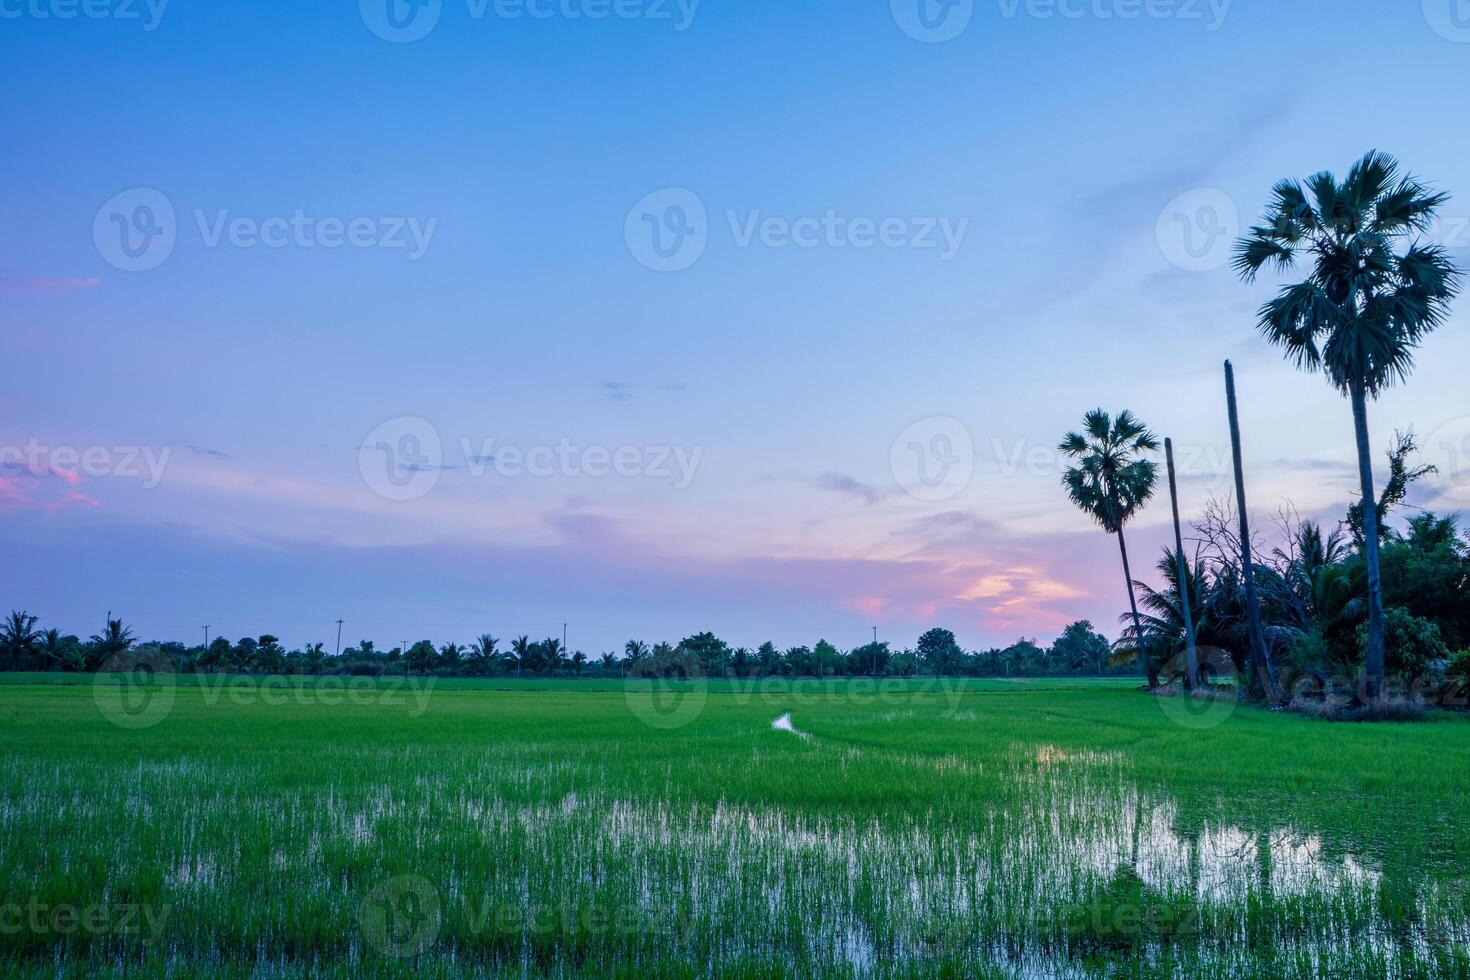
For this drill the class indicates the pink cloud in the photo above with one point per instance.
(32, 490)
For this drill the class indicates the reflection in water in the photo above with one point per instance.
(1074, 860)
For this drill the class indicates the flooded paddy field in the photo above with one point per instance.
(848, 829)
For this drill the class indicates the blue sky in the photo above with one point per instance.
(1055, 143)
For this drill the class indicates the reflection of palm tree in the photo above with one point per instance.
(1363, 309)
(1110, 483)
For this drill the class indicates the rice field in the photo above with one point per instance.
(849, 829)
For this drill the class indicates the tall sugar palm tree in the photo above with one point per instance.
(1111, 481)
(1373, 292)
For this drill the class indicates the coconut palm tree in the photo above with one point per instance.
(634, 651)
(1372, 294)
(520, 651)
(1110, 483)
(19, 639)
(111, 641)
(484, 655)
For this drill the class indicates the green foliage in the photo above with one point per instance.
(1413, 644)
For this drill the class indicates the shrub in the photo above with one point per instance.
(1411, 644)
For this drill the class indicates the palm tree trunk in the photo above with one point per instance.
(1265, 672)
(1373, 664)
(1191, 665)
(1148, 664)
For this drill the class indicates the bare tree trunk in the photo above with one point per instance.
(1265, 672)
(1148, 665)
(1191, 663)
(1373, 664)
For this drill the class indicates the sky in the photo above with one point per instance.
(650, 317)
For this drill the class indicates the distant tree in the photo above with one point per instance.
(1373, 292)
(1111, 482)
(270, 656)
(549, 655)
(62, 651)
(769, 660)
(579, 660)
(869, 659)
(1080, 650)
(422, 657)
(826, 659)
(634, 651)
(20, 641)
(1024, 658)
(521, 651)
(742, 663)
(609, 663)
(111, 641)
(483, 656)
(940, 652)
(451, 658)
(797, 662)
(711, 652)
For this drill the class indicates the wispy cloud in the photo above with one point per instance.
(849, 486)
(43, 285)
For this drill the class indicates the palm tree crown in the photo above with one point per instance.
(1372, 294)
(1111, 480)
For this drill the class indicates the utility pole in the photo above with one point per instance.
(1191, 662)
(875, 651)
(564, 639)
(206, 637)
(339, 637)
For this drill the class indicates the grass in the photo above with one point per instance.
(1005, 828)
